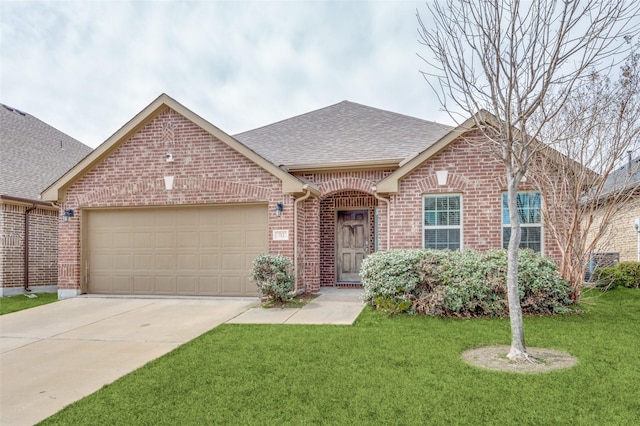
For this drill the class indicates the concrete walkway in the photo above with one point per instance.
(338, 306)
(56, 354)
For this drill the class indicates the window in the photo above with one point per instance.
(529, 205)
(442, 222)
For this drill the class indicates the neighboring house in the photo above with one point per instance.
(621, 240)
(172, 205)
(32, 156)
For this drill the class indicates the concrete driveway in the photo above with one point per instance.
(56, 354)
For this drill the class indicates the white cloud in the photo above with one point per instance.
(87, 68)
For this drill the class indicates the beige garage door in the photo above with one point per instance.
(205, 251)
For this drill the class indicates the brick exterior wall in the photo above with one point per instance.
(478, 177)
(43, 248)
(620, 236)
(206, 171)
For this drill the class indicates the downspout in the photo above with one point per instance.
(375, 194)
(295, 233)
(26, 247)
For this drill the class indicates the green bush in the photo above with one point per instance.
(391, 273)
(272, 273)
(624, 274)
(464, 283)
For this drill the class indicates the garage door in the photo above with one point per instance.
(190, 251)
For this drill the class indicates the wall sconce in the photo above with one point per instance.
(169, 157)
(279, 208)
(66, 214)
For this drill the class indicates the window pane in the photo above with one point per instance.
(530, 237)
(529, 205)
(442, 218)
(442, 239)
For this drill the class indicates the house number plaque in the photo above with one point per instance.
(281, 235)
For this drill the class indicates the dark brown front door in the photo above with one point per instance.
(352, 244)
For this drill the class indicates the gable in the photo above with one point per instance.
(57, 191)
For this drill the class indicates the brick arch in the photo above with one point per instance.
(455, 183)
(334, 186)
(185, 185)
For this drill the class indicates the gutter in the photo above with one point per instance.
(26, 246)
(385, 200)
(295, 238)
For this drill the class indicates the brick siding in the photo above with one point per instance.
(620, 236)
(206, 171)
(43, 247)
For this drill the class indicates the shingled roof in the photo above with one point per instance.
(341, 134)
(34, 154)
(625, 178)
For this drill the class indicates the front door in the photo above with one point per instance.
(352, 244)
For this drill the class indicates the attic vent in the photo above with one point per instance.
(14, 110)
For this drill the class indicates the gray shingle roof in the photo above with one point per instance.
(343, 133)
(33, 154)
(626, 177)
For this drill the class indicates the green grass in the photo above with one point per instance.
(20, 302)
(401, 370)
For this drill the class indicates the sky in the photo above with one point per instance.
(88, 67)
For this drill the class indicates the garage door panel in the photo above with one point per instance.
(209, 262)
(121, 284)
(143, 284)
(187, 262)
(232, 262)
(175, 251)
(209, 285)
(165, 284)
(255, 240)
(122, 261)
(232, 285)
(209, 240)
(165, 240)
(142, 240)
(232, 239)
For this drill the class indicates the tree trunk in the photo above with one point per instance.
(518, 350)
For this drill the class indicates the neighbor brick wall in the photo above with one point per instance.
(43, 246)
(620, 236)
(206, 170)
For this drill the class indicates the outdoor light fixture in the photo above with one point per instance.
(279, 208)
(66, 214)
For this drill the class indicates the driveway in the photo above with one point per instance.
(56, 354)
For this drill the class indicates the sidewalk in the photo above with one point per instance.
(338, 306)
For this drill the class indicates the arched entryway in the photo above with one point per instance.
(347, 236)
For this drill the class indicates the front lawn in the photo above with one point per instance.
(20, 302)
(401, 370)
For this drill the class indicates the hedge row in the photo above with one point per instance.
(624, 274)
(463, 283)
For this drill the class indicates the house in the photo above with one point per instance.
(170, 204)
(621, 240)
(32, 155)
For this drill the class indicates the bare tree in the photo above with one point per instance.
(594, 130)
(519, 61)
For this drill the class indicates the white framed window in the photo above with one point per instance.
(530, 216)
(442, 221)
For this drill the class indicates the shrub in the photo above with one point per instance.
(464, 283)
(391, 273)
(624, 274)
(272, 274)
